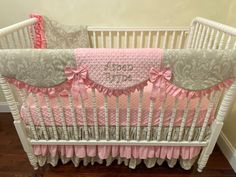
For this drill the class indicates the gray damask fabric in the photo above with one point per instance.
(192, 69)
(59, 36)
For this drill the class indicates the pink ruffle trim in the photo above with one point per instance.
(110, 92)
(39, 36)
(104, 151)
(51, 91)
(175, 91)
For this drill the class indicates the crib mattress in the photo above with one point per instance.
(170, 101)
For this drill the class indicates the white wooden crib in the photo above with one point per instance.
(202, 34)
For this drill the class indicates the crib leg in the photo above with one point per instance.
(33, 160)
(207, 150)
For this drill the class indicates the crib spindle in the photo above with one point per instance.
(211, 39)
(102, 37)
(52, 119)
(94, 40)
(84, 116)
(172, 119)
(194, 35)
(128, 118)
(117, 119)
(73, 115)
(181, 39)
(62, 116)
(26, 32)
(95, 119)
(110, 39)
(182, 125)
(40, 116)
(206, 38)
(194, 121)
(198, 37)
(141, 39)
(202, 38)
(172, 40)
(19, 39)
(213, 98)
(216, 40)
(7, 42)
(14, 43)
(106, 116)
(165, 40)
(126, 40)
(157, 39)
(228, 42)
(22, 94)
(118, 39)
(159, 129)
(149, 39)
(139, 113)
(150, 115)
(222, 41)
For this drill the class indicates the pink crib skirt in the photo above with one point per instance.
(104, 151)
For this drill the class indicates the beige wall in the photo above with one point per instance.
(126, 13)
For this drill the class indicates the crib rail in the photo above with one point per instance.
(169, 38)
(207, 34)
(17, 36)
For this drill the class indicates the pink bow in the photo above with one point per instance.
(78, 77)
(159, 78)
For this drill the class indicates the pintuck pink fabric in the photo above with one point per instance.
(104, 151)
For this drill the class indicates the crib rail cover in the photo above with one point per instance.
(192, 70)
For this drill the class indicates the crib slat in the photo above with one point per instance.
(73, 115)
(165, 40)
(198, 37)
(228, 42)
(182, 125)
(49, 109)
(85, 123)
(141, 40)
(62, 116)
(110, 39)
(102, 36)
(30, 41)
(202, 37)
(117, 119)
(106, 117)
(95, 119)
(118, 39)
(128, 118)
(149, 39)
(216, 40)
(163, 106)
(222, 41)
(157, 38)
(194, 35)
(19, 38)
(196, 114)
(22, 94)
(172, 40)
(206, 38)
(7, 42)
(94, 40)
(139, 113)
(211, 39)
(150, 115)
(133, 39)
(213, 98)
(14, 44)
(181, 39)
(39, 115)
(172, 119)
(125, 41)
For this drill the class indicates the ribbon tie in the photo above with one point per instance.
(78, 77)
(159, 78)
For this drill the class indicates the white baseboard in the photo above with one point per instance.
(4, 107)
(228, 150)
